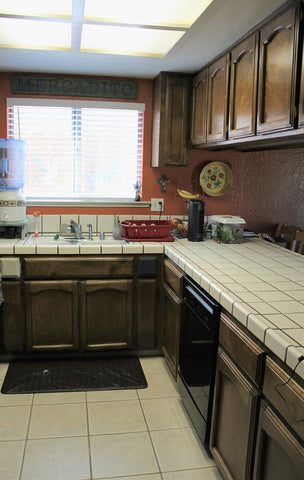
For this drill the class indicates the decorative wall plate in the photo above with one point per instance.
(216, 179)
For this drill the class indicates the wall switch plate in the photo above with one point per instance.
(157, 204)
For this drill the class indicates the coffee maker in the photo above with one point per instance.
(196, 220)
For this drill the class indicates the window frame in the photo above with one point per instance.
(80, 201)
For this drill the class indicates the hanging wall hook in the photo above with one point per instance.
(163, 181)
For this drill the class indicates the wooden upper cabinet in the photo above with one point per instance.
(243, 88)
(199, 108)
(277, 73)
(301, 102)
(171, 93)
(218, 79)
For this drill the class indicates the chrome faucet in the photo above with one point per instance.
(90, 231)
(76, 228)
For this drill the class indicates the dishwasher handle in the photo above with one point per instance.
(201, 299)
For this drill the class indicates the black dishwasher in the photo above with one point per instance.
(197, 355)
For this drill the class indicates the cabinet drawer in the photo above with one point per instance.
(174, 277)
(96, 267)
(287, 399)
(242, 349)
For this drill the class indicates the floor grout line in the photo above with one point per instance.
(148, 431)
(26, 438)
(89, 442)
(88, 435)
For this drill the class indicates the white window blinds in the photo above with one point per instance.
(79, 150)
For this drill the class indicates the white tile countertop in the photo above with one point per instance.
(260, 284)
(46, 245)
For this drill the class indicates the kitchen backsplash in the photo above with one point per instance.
(100, 223)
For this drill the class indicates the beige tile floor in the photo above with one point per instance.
(123, 435)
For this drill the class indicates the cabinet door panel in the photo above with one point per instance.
(170, 120)
(106, 314)
(218, 99)
(52, 315)
(243, 88)
(173, 276)
(11, 318)
(146, 314)
(278, 454)
(242, 349)
(285, 395)
(199, 108)
(301, 101)
(233, 420)
(175, 127)
(277, 74)
(172, 307)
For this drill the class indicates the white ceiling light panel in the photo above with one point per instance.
(33, 34)
(37, 8)
(171, 13)
(127, 40)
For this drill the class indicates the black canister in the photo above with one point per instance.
(196, 220)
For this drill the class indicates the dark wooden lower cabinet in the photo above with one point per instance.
(147, 309)
(11, 318)
(172, 307)
(234, 420)
(51, 311)
(106, 320)
(279, 455)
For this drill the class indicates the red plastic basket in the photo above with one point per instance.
(145, 228)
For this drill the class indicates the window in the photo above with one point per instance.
(79, 150)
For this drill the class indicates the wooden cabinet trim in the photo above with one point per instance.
(33, 288)
(242, 349)
(12, 326)
(78, 267)
(172, 294)
(269, 32)
(171, 328)
(171, 93)
(199, 108)
(227, 368)
(94, 286)
(270, 427)
(147, 313)
(174, 277)
(221, 65)
(292, 407)
(248, 47)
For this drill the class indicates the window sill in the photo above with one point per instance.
(101, 202)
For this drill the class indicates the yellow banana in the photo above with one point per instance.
(188, 195)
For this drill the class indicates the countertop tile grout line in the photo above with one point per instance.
(258, 279)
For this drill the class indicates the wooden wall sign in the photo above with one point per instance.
(76, 87)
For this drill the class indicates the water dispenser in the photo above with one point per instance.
(13, 222)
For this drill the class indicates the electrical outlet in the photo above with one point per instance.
(157, 204)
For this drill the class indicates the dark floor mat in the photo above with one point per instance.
(73, 375)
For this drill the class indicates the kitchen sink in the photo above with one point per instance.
(49, 240)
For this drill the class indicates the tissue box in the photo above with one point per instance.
(227, 228)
